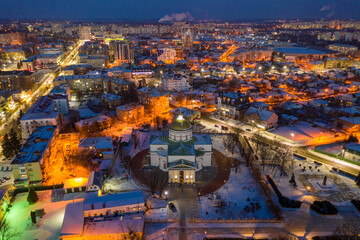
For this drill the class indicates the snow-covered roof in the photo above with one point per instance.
(73, 220)
(352, 120)
(263, 114)
(93, 201)
(353, 146)
(35, 146)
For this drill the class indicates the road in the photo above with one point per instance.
(43, 89)
(305, 153)
(300, 150)
(231, 50)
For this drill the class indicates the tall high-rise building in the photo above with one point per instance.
(85, 33)
(123, 51)
(187, 37)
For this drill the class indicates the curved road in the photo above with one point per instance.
(302, 151)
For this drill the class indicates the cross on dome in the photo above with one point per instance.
(180, 117)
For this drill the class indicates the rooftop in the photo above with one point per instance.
(152, 92)
(73, 220)
(34, 147)
(93, 201)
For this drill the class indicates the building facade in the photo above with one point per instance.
(180, 153)
(153, 100)
(28, 165)
(123, 51)
(176, 82)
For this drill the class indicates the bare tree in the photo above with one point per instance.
(157, 180)
(283, 158)
(157, 121)
(6, 232)
(265, 153)
(126, 161)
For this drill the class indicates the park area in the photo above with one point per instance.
(241, 197)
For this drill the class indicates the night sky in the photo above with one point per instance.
(199, 9)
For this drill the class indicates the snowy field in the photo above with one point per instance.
(241, 198)
(301, 131)
(218, 144)
(48, 227)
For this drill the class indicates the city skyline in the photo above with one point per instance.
(180, 120)
(231, 10)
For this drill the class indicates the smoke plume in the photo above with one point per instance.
(177, 17)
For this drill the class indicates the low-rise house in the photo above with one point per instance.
(96, 123)
(350, 124)
(130, 112)
(153, 100)
(176, 82)
(261, 118)
(231, 103)
(111, 101)
(96, 145)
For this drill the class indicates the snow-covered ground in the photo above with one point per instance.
(48, 227)
(334, 148)
(120, 184)
(301, 131)
(218, 144)
(241, 198)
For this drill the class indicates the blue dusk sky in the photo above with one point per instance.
(198, 9)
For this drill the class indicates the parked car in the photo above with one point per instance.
(224, 128)
(216, 200)
(216, 125)
(172, 207)
(7, 178)
(249, 130)
(6, 168)
(1, 168)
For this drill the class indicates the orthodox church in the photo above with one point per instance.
(180, 153)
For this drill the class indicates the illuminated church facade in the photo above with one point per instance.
(181, 153)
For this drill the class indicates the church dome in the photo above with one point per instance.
(180, 124)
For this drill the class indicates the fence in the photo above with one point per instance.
(253, 220)
(161, 220)
(338, 157)
(266, 189)
(37, 188)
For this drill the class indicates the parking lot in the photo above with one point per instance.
(6, 176)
